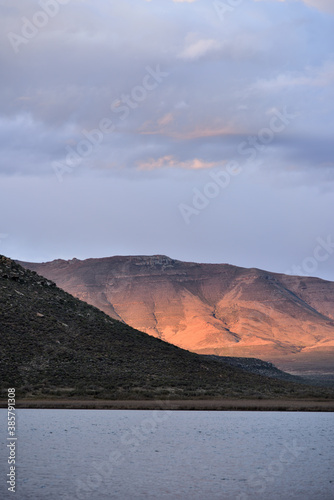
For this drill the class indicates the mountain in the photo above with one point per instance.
(210, 308)
(54, 345)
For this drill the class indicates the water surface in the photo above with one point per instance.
(121, 454)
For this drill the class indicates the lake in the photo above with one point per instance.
(167, 455)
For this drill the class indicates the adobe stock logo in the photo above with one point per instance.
(259, 143)
(223, 8)
(129, 440)
(258, 483)
(40, 19)
(121, 108)
(253, 148)
(321, 252)
(201, 199)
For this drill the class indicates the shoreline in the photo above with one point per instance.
(190, 404)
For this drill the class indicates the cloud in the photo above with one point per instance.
(322, 76)
(187, 132)
(171, 161)
(222, 81)
(197, 49)
(323, 5)
(166, 119)
(178, 1)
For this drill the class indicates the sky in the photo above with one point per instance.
(197, 129)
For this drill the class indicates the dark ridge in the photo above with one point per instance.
(254, 365)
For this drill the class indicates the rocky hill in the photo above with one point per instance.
(210, 308)
(52, 344)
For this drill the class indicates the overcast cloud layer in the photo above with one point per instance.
(195, 129)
